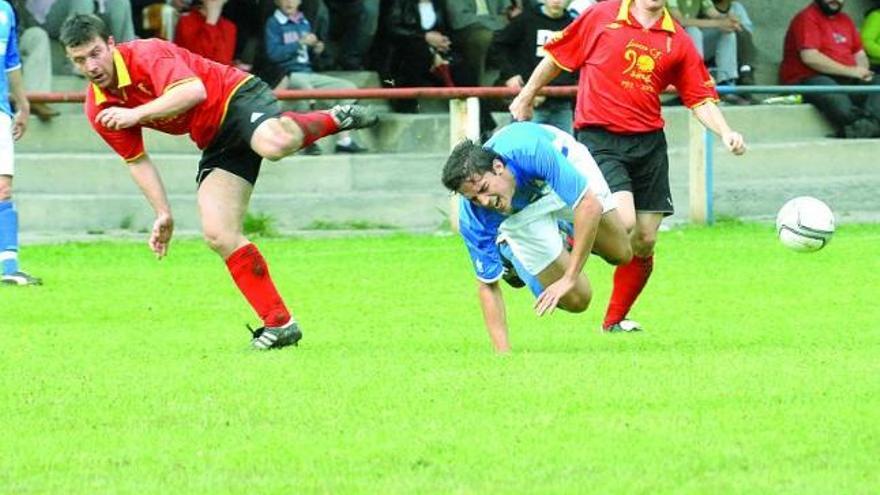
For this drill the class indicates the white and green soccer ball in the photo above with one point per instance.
(805, 224)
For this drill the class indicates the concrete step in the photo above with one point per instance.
(103, 174)
(85, 213)
(78, 192)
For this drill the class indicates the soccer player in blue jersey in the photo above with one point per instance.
(12, 127)
(513, 192)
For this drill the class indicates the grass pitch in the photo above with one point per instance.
(758, 373)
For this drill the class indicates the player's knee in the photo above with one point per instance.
(576, 302)
(276, 149)
(218, 240)
(276, 142)
(621, 256)
(644, 241)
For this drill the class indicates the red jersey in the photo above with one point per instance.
(215, 42)
(624, 67)
(146, 69)
(835, 36)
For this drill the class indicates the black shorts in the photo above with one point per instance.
(633, 162)
(230, 150)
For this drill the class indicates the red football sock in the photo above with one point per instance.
(629, 280)
(251, 275)
(314, 125)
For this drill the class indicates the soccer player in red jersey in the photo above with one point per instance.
(628, 51)
(233, 118)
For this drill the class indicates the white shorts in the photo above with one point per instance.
(7, 157)
(533, 233)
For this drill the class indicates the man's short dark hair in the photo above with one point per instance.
(80, 29)
(467, 159)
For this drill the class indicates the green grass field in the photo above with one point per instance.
(759, 372)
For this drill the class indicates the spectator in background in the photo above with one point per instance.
(12, 127)
(472, 24)
(823, 47)
(319, 17)
(352, 25)
(289, 41)
(871, 35)
(205, 32)
(422, 49)
(577, 7)
(519, 48)
(51, 14)
(250, 17)
(36, 59)
(745, 44)
(713, 34)
(157, 18)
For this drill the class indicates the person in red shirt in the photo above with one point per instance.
(628, 52)
(823, 47)
(233, 118)
(205, 32)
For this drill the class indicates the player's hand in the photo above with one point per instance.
(118, 118)
(309, 39)
(549, 299)
(862, 73)
(515, 82)
(735, 142)
(160, 238)
(438, 40)
(19, 125)
(729, 25)
(521, 107)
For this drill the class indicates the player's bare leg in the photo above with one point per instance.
(223, 200)
(576, 300)
(278, 137)
(631, 278)
(612, 240)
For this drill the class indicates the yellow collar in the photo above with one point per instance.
(623, 16)
(122, 76)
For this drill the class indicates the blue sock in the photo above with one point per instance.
(8, 237)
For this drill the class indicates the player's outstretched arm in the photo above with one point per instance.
(148, 180)
(710, 116)
(522, 106)
(587, 214)
(494, 315)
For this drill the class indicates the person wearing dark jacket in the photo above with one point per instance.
(519, 48)
(422, 48)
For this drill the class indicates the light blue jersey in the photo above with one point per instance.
(8, 51)
(537, 156)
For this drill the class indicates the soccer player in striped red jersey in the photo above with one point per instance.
(628, 52)
(232, 116)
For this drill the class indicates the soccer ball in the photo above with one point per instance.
(805, 224)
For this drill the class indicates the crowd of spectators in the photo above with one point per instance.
(290, 43)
